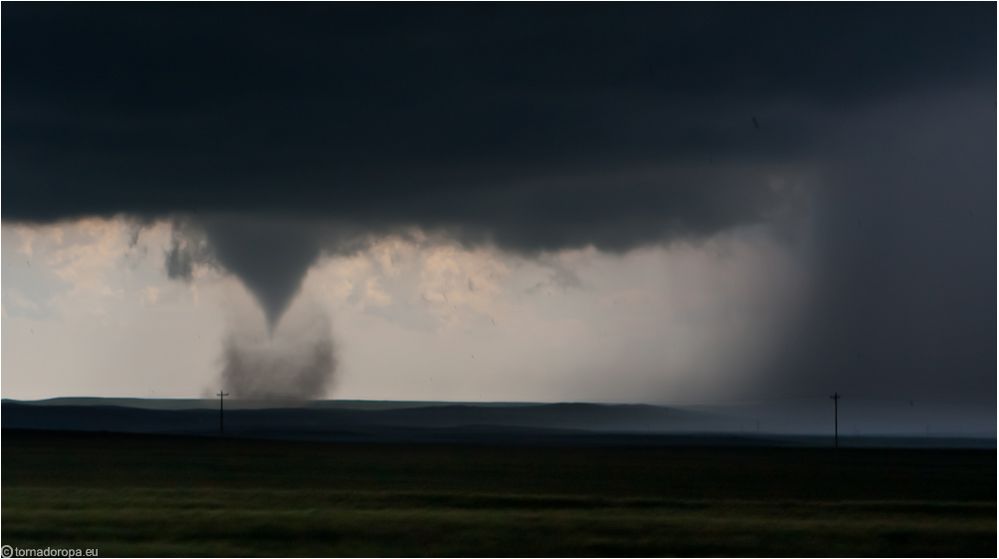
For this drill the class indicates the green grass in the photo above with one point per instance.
(186, 496)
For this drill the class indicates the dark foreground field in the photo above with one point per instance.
(162, 495)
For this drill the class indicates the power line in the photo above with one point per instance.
(835, 398)
(221, 396)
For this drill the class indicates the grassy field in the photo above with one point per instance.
(148, 495)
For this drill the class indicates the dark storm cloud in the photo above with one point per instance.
(540, 127)
(477, 118)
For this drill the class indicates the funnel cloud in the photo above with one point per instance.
(270, 258)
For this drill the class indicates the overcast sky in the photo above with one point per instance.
(640, 202)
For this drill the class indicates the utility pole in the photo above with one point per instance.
(835, 398)
(221, 395)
